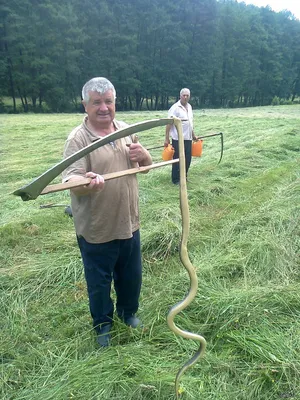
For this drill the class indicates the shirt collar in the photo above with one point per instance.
(92, 135)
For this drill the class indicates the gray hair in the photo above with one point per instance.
(100, 85)
(185, 90)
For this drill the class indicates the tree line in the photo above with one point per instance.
(229, 54)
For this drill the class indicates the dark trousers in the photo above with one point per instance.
(188, 159)
(118, 260)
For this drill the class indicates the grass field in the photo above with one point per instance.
(244, 243)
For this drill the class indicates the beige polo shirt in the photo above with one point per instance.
(112, 213)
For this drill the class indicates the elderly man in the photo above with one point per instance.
(106, 214)
(183, 110)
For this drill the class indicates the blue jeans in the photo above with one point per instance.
(188, 159)
(120, 261)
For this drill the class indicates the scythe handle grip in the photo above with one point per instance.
(113, 175)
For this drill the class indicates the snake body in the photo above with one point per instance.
(177, 308)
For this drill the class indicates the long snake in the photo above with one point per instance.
(184, 257)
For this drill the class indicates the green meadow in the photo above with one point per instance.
(244, 243)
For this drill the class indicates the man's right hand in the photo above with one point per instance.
(97, 182)
(167, 142)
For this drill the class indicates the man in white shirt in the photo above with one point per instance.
(183, 110)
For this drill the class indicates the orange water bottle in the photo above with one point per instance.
(168, 153)
(197, 148)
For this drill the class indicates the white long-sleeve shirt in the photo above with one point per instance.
(179, 111)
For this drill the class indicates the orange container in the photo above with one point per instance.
(197, 148)
(168, 153)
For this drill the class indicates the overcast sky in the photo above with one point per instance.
(278, 5)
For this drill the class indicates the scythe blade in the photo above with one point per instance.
(32, 190)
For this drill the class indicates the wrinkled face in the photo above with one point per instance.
(101, 108)
(184, 98)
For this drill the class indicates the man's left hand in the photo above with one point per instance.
(137, 153)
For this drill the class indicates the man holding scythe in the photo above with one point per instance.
(119, 257)
(106, 215)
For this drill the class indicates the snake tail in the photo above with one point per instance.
(189, 364)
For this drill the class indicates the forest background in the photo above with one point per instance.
(229, 54)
